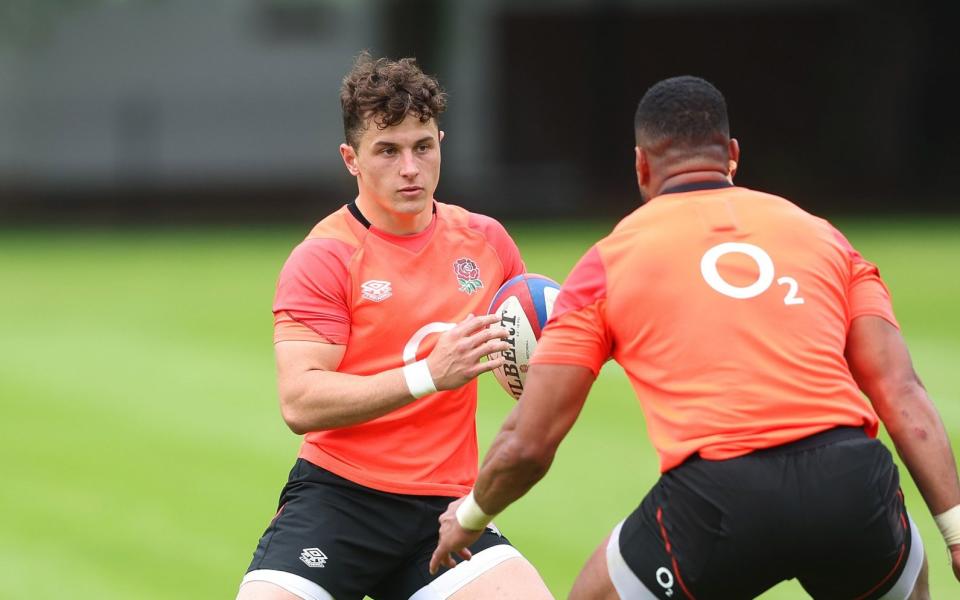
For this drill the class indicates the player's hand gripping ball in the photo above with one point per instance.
(524, 305)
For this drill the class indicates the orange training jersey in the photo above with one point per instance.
(387, 298)
(729, 310)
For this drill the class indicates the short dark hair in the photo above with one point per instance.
(387, 91)
(683, 111)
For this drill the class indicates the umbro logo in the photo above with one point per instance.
(313, 558)
(376, 290)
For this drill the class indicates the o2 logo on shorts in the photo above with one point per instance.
(665, 579)
(708, 268)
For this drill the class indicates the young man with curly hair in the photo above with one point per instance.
(748, 328)
(378, 348)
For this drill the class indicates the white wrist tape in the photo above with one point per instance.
(949, 524)
(471, 516)
(419, 380)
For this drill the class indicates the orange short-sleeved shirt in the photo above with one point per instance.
(387, 298)
(729, 310)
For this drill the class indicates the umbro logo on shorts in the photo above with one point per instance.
(313, 558)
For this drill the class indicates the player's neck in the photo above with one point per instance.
(395, 222)
(697, 176)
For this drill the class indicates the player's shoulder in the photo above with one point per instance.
(460, 217)
(339, 226)
(785, 209)
(335, 238)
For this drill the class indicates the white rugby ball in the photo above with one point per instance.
(524, 304)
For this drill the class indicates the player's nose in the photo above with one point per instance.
(408, 165)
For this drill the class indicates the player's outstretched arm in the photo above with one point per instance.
(314, 396)
(520, 455)
(881, 366)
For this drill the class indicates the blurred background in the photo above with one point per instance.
(228, 109)
(160, 158)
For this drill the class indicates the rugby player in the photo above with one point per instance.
(377, 350)
(748, 329)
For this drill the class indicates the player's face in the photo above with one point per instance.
(397, 168)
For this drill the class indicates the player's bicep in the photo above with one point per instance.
(296, 358)
(551, 402)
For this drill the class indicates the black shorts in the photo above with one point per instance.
(826, 510)
(354, 541)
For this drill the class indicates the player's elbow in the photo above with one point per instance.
(293, 414)
(530, 458)
(895, 400)
(294, 422)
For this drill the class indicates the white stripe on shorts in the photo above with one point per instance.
(902, 589)
(627, 584)
(296, 585)
(466, 571)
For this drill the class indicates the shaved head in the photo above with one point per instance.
(683, 114)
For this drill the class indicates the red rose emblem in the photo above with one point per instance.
(466, 269)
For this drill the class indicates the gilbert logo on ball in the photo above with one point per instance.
(524, 304)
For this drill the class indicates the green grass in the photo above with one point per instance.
(142, 446)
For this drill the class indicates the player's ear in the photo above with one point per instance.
(441, 135)
(733, 151)
(349, 155)
(642, 166)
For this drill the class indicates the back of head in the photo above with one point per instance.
(683, 113)
(386, 91)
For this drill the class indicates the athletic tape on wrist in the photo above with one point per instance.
(419, 380)
(471, 516)
(949, 524)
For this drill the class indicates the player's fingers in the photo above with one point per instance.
(473, 323)
(490, 333)
(465, 554)
(490, 347)
(490, 364)
(435, 562)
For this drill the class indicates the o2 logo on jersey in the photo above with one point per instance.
(413, 344)
(708, 268)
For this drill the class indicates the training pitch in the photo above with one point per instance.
(144, 451)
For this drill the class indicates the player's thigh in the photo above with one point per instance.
(869, 547)
(497, 570)
(332, 538)
(593, 582)
(513, 579)
(262, 590)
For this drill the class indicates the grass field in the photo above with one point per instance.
(142, 446)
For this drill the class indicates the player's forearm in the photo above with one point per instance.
(315, 400)
(922, 442)
(509, 471)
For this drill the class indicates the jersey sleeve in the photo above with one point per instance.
(866, 292)
(577, 332)
(497, 236)
(312, 303)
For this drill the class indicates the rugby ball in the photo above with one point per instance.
(524, 305)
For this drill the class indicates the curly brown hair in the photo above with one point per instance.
(387, 91)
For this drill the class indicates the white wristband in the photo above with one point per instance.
(471, 516)
(949, 524)
(419, 381)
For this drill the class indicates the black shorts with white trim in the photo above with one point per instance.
(353, 541)
(826, 510)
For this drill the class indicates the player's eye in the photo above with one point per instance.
(388, 151)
